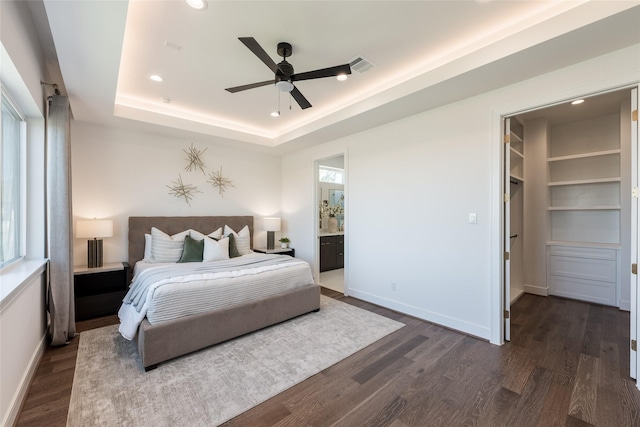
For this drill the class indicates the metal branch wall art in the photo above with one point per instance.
(195, 162)
(194, 157)
(180, 189)
(218, 181)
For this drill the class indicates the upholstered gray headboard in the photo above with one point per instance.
(141, 225)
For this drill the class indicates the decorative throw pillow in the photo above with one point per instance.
(242, 239)
(233, 249)
(147, 248)
(215, 250)
(214, 234)
(165, 248)
(192, 251)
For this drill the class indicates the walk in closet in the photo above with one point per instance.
(569, 200)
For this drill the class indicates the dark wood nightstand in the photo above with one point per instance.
(279, 251)
(99, 291)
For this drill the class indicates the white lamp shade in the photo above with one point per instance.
(94, 228)
(271, 224)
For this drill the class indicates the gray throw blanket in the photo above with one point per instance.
(138, 291)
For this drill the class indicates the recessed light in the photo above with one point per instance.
(275, 114)
(156, 78)
(341, 77)
(577, 101)
(197, 4)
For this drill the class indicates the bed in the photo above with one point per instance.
(162, 341)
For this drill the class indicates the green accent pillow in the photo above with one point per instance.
(233, 249)
(193, 250)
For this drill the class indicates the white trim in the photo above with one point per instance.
(625, 305)
(537, 290)
(16, 277)
(461, 326)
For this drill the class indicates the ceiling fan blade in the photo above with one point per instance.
(258, 51)
(300, 99)
(324, 72)
(249, 86)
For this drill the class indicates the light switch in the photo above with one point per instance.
(473, 218)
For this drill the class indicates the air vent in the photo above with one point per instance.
(360, 65)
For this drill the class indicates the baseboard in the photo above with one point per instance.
(537, 290)
(18, 399)
(625, 305)
(476, 330)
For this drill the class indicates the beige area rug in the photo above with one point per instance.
(211, 386)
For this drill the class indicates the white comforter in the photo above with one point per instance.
(178, 290)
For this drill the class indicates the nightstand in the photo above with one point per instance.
(279, 251)
(99, 291)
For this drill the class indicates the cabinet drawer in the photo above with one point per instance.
(92, 306)
(583, 268)
(99, 283)
(582, 252)
(584, 290)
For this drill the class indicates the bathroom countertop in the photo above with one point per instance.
(324, 233)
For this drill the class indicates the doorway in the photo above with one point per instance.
(331, 222)
(569, 217)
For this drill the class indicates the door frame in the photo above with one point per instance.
(316, 220)
(497, 206)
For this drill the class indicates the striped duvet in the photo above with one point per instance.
(178, 290)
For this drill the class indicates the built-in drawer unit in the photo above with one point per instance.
(584, 273)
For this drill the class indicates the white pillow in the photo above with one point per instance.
(165, 248)
(243, 239)
(147, 247)
(215, 250)
(196, 235)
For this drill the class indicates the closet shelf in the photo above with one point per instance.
(515, 137)
(584, 155)
(584, 208)
(517, 153)
(515, 179)
(584, 181)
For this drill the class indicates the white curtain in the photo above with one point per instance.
(60, 230)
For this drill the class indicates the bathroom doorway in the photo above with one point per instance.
(331, 222)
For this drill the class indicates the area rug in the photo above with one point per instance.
(211, 386)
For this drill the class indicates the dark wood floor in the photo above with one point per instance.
(567, 365)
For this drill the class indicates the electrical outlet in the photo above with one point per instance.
(473, 218)
(394, 287)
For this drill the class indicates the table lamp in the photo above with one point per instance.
(271, 225)
(94, 229)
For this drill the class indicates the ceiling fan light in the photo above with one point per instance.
(341, 77)
(284, 86)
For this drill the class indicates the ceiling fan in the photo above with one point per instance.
(284, 75)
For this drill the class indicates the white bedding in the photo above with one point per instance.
(192, 292)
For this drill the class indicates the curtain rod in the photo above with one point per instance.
(54, 85)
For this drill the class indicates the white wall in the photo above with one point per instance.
(535, 206)
(120, 173)
(443, 164)
(22, 340)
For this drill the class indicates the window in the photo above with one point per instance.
(329, 174)
(11, 187)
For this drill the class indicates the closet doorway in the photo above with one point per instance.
(331, 227)
(570, 203)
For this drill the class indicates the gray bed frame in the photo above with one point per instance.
(161, 342)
